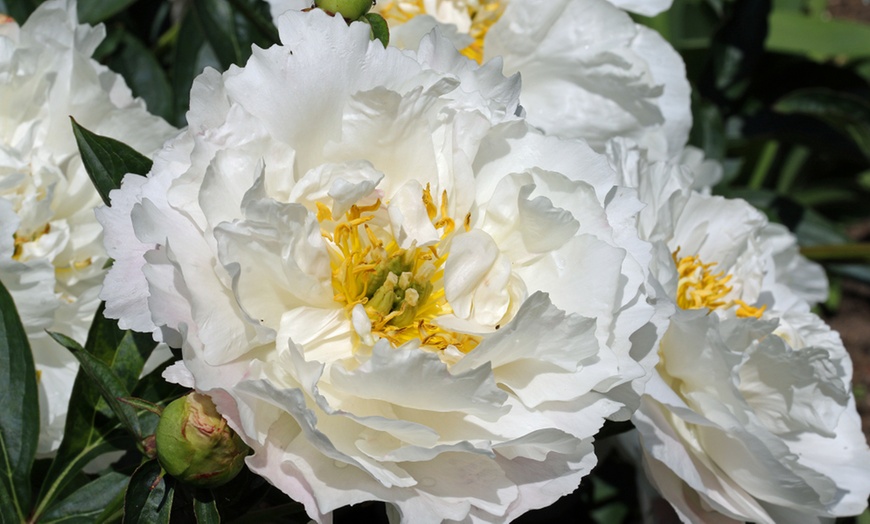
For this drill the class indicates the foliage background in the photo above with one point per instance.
(781, 96)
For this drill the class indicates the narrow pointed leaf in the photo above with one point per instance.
(91, 428)
(205, 508)
(107, 160)
(96, 11)
(848, 114)
(111, 387)
(19, 416)
(85, 504)
(143, 73)
(149, 496)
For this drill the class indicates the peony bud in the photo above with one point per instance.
(195, 445)
(349, 9)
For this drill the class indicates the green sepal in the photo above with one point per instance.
(380, 28)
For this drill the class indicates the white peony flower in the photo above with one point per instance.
(51, 255)
(390, 285)
(749, 416)
(588, 70)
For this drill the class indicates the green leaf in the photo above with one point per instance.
(143, 73)
(19, 416)
(18, 9)
(795, 32)
(91, 428)
(87, 502)
(380, 29)
(688, 24)
(192, 54)
(107, 160)
(218, 22)
(149, 496)
(735, 52)
(205, 507)
(110, 385)
(96, 11)
(232, 27)
(848, 114)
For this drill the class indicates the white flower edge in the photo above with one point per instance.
(47, 79)
(590, 72)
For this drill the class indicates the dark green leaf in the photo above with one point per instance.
(380, 30)
(149, 496)
(107, 160)
(259, 20)
(205, 507)
(91, 428)
(848, 114)
(110, 385)
(192, 54)
(18, 9)
(217, 20)
(143, 73)
(19, 416)
(113, 512)
(88, 502)
(708, 131)
(735, 52)
(96, 11)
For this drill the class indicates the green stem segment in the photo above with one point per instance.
(835, 252)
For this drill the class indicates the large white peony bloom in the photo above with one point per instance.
(390, 285)
(51, 253)
(749, 416)
(588, 70)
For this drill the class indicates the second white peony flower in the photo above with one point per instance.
(391, 286)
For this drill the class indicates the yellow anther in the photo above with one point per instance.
(323, 212)
(747, 311)
(431, 210)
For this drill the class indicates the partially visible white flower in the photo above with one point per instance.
(392, 287)
(588, 70)
(749, 416)
(51, 255)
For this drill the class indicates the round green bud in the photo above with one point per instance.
(195, 445)
(349, 9)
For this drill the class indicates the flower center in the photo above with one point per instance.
(401, 290)
(699, 287)
(482, 14)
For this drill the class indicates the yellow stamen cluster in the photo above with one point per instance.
(483, 14)
(699, 287)
(401, 289)
(20, 240)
